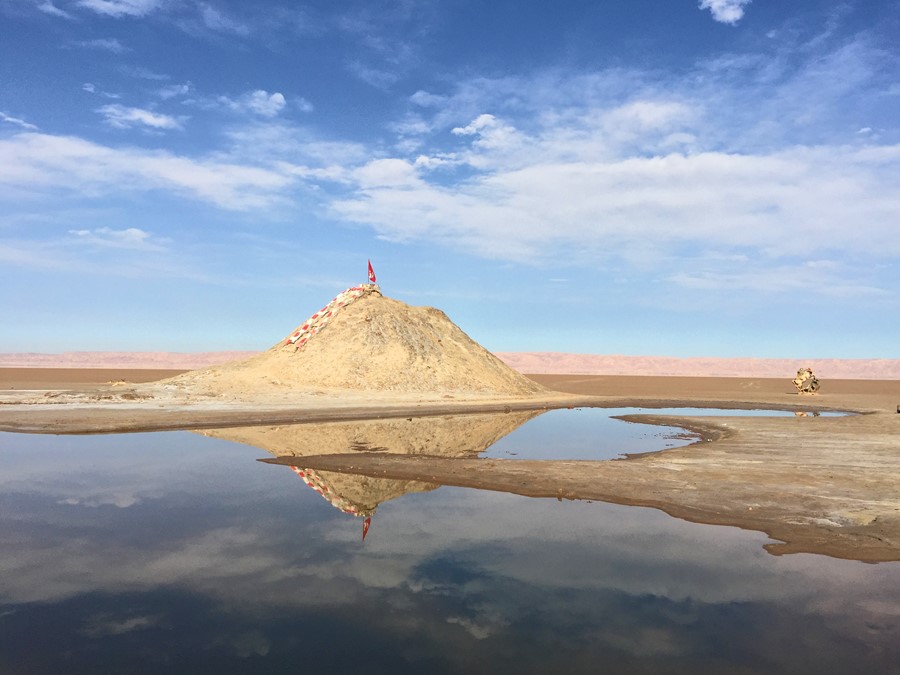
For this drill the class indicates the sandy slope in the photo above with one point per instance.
(375, 344)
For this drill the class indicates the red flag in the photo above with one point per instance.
(366, 523)
(371, 273)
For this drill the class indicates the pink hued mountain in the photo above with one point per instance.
(150, 360)
(525, 362)
(591, 364)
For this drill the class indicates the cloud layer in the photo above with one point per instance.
(44, 162)
(725, 11)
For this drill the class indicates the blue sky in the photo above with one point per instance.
(713, 178)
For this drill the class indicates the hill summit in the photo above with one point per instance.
(364, 341)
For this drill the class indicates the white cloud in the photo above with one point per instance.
(643, 116)
(17, 122)
(411, 125)
(811, 278)
(258, 102)
(175, 90)
(123, 117)
(142, 73)
(427, 100)
(53, 10)
(42, 162)
(265, 104)
(91, 88)
(754, 155)
(433, 162)
(120, 8)
(725, 11)
(264, 139)
(479, 123)
(392, 173)
(380, 78)
(217, 21)
(303, 105)
(539, 200)
(128, 238)
(104, 44)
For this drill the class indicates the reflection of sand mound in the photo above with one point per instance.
(457, 436)
(374, 344)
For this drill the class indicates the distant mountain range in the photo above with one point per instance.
(525, 362)
(591, 364)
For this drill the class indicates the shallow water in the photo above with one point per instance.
(173, 552)
(595, 433)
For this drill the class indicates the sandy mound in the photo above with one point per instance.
(456, 436)
(364, 341)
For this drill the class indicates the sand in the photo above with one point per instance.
(362, 355)
(373, 345)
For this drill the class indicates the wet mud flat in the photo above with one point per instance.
(828, 485)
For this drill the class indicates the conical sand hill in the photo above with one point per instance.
(370, 343)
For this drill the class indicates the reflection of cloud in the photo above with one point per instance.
(251, 643)
(481, 628)
(104, 625)
(644, 641)
(552, 578)
(122, 500)
(222, 553)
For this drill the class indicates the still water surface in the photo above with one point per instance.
(173, 552)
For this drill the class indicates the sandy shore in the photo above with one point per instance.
(828, 485)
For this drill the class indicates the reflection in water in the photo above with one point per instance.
(176, 553)
(449, 436)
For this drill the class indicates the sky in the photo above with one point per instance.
(668, 177)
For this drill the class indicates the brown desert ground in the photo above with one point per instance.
(827, 485)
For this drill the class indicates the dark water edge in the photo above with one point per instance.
(171, 552)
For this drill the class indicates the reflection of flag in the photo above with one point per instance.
(366, 523)
(371, 273)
